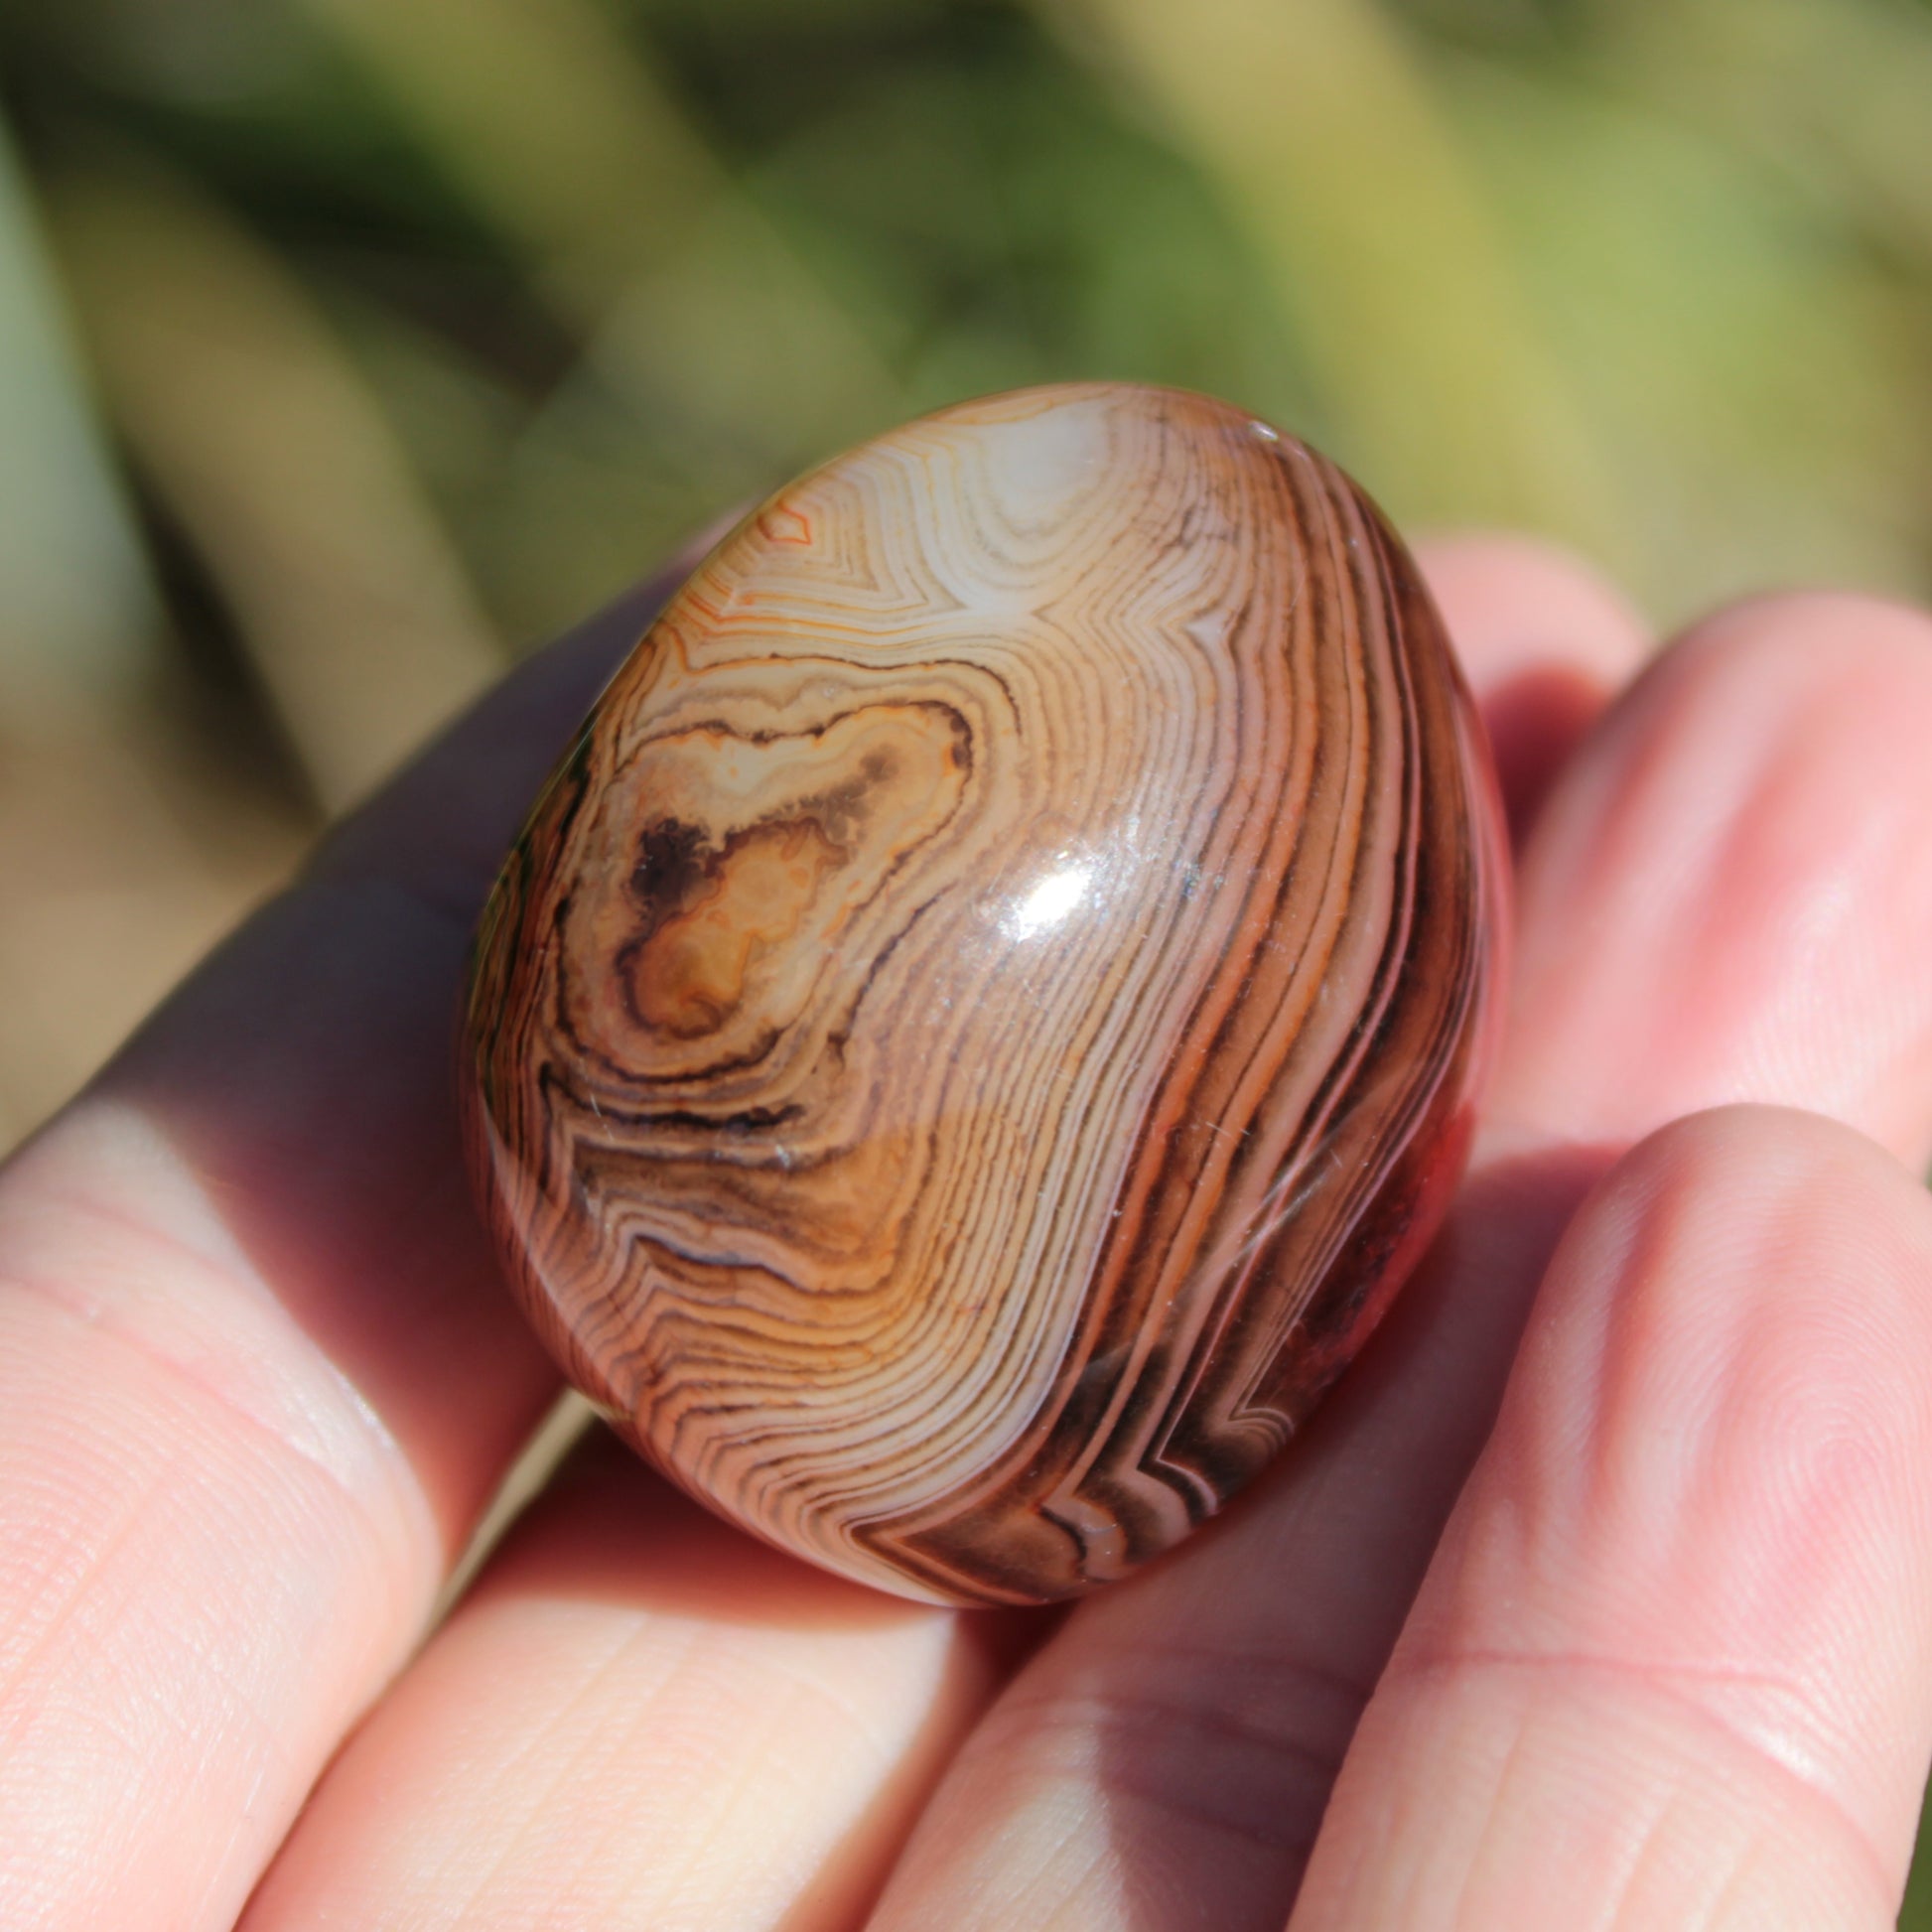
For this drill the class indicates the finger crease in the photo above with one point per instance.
(96, 1317)
(1673, 1684)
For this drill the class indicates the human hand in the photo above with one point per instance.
(1667, 1665)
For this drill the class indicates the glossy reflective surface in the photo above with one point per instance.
(979, 1025)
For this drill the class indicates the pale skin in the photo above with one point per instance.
(1600, 1595)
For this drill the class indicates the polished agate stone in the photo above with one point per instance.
(982, 1019)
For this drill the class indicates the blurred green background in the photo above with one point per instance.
(350, 346)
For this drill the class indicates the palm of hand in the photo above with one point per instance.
(1669, 1657)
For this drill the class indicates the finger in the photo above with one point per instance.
(1734, 884)
(1547, 644)
(1177, 1742)
(1675, 1654)
(255, 1371)
(640, 1718)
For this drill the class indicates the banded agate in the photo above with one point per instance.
(987, 1012)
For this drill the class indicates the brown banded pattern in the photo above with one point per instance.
(983, 1018)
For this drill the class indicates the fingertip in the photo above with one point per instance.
(1545, 641)
(1679, 1625)
(1714, 1453)
(1513, 603)
(1725, 897)
(1763, 1158)
(1745, 1240)
(1886, 630)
